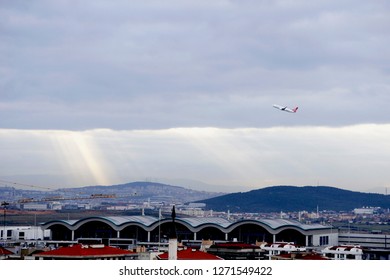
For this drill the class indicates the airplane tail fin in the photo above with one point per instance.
(295, 109)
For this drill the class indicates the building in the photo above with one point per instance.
(375, 246)
(368, 240)
(280, 248)
(86, 252)
(236, 251)
(35, 206)
(306, 256)
(366, 210)
(150, 234)
(23, 233)
(151, 230)
(346, 252)
(189, 254)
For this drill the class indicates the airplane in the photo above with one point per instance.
(286, 109)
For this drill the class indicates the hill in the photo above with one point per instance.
(142, 191)
(137, 192)
(292, 198)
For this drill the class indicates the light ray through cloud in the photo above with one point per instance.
(80, 155)
(353, 157)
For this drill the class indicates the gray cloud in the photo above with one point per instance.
(75, 60)
(173, 68)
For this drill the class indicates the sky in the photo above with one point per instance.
(107, 92)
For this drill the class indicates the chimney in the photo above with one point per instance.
(172, 249)
(172, 244)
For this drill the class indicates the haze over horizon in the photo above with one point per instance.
(102, 92)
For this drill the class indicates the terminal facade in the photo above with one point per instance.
(151, 229)
(150, 233)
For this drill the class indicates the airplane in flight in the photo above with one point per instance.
(286, 109)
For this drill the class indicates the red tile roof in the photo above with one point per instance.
(190, 254)
(86, 251)
(4, 251)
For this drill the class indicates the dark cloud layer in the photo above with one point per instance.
(160, 64)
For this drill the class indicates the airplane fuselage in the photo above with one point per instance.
(285, 108)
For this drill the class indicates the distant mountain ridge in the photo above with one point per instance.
(148, 190)
(268, 199)
(293, 198)
(140, 191)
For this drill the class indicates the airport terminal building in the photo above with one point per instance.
(151, 229)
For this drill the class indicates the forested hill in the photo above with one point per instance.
(292, 198)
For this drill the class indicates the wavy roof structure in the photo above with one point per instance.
(195, 224)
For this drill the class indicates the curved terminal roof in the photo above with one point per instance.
(116, 222)
(197, 222)
(193, 223)
(278, 223)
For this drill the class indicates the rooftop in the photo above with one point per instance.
(190, 254)
(194, 223)
(235, 245)
(81, 251)
(4, 251)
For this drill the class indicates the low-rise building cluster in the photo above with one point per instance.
(148, 237)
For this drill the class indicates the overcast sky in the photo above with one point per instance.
(106, 92)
